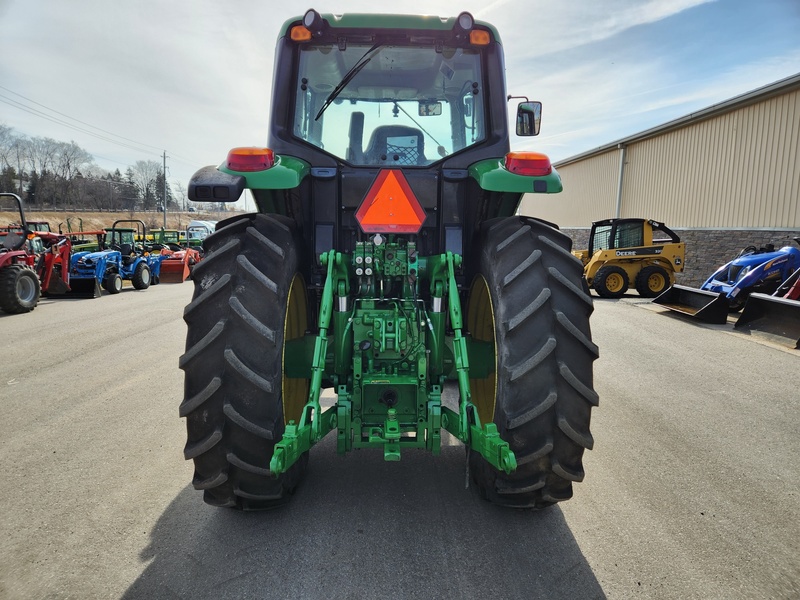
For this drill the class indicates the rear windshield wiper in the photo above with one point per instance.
(354, 70)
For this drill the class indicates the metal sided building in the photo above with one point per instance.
(723, 178)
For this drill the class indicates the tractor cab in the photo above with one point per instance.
(611, 234)
(39, 226)
(170, 237)
(421, 97)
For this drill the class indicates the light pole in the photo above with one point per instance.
(165, 189)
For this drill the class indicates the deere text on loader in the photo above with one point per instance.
(385, 263)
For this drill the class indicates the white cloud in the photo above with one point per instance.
(586, 106)
(194, 77)
(545, 27)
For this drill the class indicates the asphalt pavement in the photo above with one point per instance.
(691, 490)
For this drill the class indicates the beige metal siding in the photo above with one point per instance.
(735, 170)
(590, 193)
(738, 169)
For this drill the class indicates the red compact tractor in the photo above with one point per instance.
(25, 269)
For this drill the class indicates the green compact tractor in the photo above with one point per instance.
(387, 264)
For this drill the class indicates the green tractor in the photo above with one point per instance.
(385, 263)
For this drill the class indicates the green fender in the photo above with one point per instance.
(286, 173)
(492, 176)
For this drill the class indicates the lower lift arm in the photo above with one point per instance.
(465, 424)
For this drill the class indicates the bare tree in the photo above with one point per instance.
(70, 159)
(7, 139)
(16, 157)
(180, 194)
(10, 158)
(40, 154)
(144, 174)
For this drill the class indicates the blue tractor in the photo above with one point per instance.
(760, 270)
(121, 258)
(754, 270)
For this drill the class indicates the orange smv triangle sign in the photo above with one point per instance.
(390, 206)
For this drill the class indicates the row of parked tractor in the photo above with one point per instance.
(36, 261)
(761, 283)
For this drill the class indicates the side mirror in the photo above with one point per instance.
(529, 118)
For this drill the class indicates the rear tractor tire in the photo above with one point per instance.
(19, 289)
(610, 282)
(248, 300)
(528, 298)
(652, 281)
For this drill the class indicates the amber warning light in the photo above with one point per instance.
(390, 206)
(528, 163)
(250, 159)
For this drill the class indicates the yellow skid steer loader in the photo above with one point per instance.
(623, 251)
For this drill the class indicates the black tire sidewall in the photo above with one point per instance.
(10, 301)
(240, 274)
(642, 281)
(541, 313)
(599, 281)
(140, 280)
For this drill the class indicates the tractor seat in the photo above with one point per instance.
(396, 145)
(127, 250)
(12, 240)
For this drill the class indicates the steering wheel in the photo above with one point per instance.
(748, 250)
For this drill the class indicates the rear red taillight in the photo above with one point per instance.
(250, 159)
(533, 164)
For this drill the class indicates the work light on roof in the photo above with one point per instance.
(313, 21)
(465, 21)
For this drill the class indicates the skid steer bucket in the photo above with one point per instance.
(772, 315)
(710, 307)
(174, 270)
(84, 287)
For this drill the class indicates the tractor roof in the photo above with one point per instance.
(386, 21)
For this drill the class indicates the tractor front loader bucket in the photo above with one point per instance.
(772, 315)
(57, 287)
(84, 287)
(710, 307)
(174, 270)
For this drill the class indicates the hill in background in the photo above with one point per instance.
(89, 221)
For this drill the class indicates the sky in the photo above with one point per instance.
(128, 80)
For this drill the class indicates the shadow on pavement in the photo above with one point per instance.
(359, 527)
